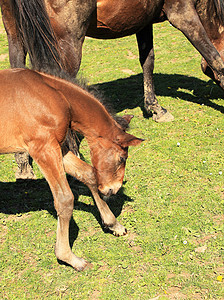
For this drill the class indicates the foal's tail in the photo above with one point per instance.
(34, 27)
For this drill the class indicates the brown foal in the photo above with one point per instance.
(37, 111)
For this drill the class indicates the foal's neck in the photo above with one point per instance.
(88, 115)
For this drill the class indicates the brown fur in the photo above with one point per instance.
(37, 110)
(200, 20)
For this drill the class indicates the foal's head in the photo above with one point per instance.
(109, 159)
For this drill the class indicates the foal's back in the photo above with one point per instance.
(30, 109)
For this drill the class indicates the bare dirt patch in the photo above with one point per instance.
(128, 71)
(174, 293)
(131, 55)
(3, 57)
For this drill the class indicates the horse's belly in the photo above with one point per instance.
(116, 18)
(10, 139)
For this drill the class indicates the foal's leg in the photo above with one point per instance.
(146, 57)
(182, 15)
(49, 159)
(84, 173)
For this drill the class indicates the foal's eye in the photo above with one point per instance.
(122, 159)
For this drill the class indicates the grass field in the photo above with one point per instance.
(171, 202)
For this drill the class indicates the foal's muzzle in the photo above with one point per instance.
(107, 191)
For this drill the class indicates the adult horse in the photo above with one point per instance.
(201, 21)
(30, 123)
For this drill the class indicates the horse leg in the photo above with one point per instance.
(84, 173)
(24, 166)
(146, 57)
(17, 53)
(49, 159)
(182, 15)
(17, 57)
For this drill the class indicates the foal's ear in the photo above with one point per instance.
(124, 121)
(130, 140)
(128, 118)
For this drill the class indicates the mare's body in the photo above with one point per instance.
(201, 21)
(37, 111)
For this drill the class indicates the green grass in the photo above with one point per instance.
(171, 202)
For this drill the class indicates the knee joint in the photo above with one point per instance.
(65, 205)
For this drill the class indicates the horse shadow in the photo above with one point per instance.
(126, 93)
(24, 196)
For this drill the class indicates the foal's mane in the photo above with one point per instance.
(82, 82)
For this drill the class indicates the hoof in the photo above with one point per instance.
(166, 117)
(77, 263)
(83, 266)
(117, 229)
(120, 233)
(29, 174)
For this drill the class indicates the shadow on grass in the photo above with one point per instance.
(35, 195)
(128, 92)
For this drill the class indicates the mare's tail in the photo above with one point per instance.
(34, 27)
(219, 7)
